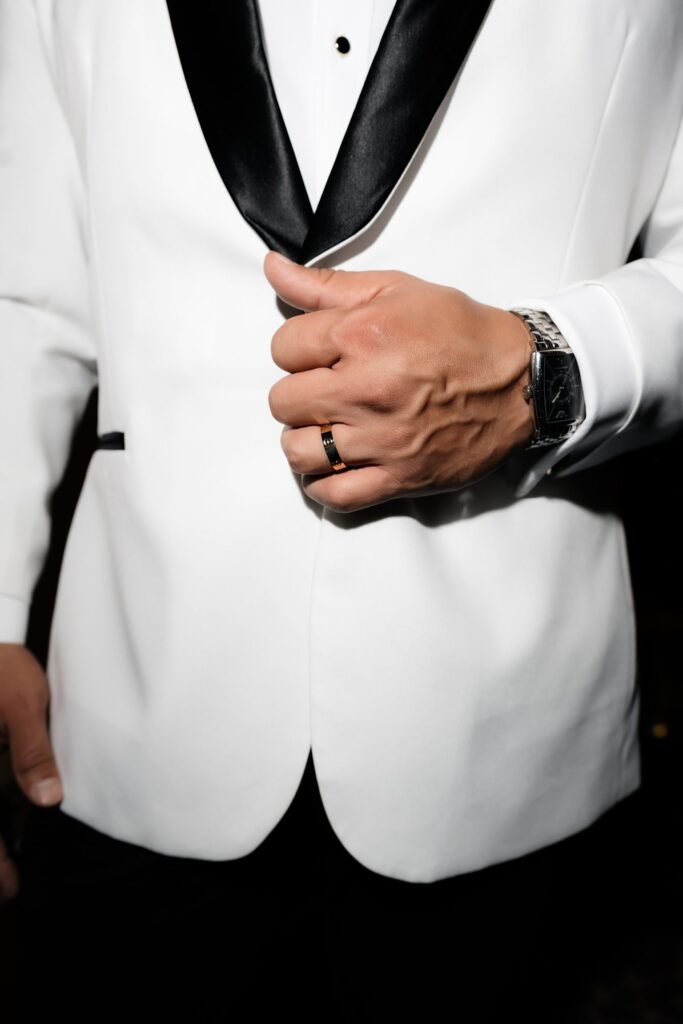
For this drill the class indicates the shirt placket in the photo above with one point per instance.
(340, 76)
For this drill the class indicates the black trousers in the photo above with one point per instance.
(299, 926)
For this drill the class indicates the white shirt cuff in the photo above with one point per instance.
(591, 320)
(14, 615)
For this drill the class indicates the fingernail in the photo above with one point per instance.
(47, 791)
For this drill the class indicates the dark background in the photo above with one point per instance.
(634, 946)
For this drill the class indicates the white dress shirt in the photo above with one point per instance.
(316, 84)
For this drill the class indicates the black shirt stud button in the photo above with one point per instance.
(342, 44)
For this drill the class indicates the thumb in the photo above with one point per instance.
(32, 756)
(313, 288)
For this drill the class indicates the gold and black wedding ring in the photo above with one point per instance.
(330, 447)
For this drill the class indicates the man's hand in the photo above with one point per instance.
(421, 383)
(24, 699)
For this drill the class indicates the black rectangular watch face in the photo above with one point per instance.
(559, 385)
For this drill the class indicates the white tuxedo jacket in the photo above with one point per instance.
(463, 666)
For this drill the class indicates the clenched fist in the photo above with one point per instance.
(421, 383)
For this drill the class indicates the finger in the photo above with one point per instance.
(32, 756)
(313, 396)
(314, 288)
(306, 341)
(306, 452)
(352, 489)
(9, 876)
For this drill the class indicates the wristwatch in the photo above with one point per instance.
(555, 391)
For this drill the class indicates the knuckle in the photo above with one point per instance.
(280, 344)
(296, 456)
(337, 505)
(361, 330)
(344, 507)
(275, 403)
(399, 281)
(338, 498)
(272, 400)
(327, 274)
(33, 758)
(380, 392)
(25, 713)
(325, 278)
(276, 346)
(285, 440)
(343, 331)
(378, 327)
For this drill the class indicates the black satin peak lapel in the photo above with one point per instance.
(421, 51)
(223, 58)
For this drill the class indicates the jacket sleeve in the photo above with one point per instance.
(48, 364)
(626, 329)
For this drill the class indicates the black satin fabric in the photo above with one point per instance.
(221, 50)
(223, 59)
(112, 439)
